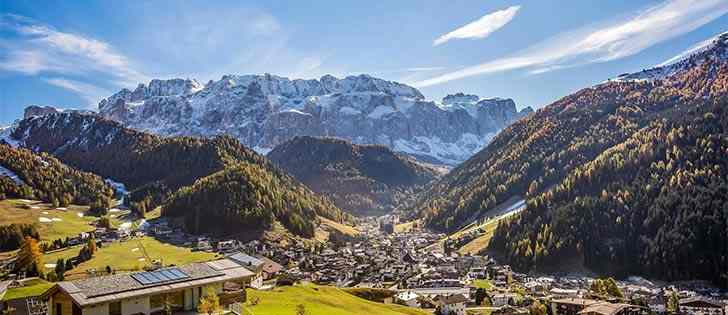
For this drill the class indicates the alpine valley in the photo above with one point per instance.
(260, 194)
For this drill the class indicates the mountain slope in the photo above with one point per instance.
(536, 156)
(656, 204)
(155, 168)
(362, 179)
(263, 111)
(247, 197)
(25, 174)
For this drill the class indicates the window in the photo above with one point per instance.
(115, 308)
(156, 301)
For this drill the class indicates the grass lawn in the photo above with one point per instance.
(125, 256)
(343, 228)
(322, 232)
(34, 287)
(404, 227)
(320, 300)
(57, 223)
(481, 242)
(482, 284)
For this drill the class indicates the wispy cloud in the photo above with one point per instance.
(89, 92)
(482, 27)
(38, 49)
(608, 41)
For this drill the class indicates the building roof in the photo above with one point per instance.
(701, 301)
(246, 260)
(121, 286)
(604, 308)
(451, 299)
(576, 301)
(407, 295)
(270, 266)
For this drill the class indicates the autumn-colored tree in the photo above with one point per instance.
(537, 308)
(30, 257)
(210, 303)
(91, 246)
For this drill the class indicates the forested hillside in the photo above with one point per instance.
(42, 177)
(626, 214)
(248, 197)
(656, 204)
(362, 179)
(151, 167)
(156, 169)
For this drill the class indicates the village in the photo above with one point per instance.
(411, 268)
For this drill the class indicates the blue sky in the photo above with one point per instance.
(70, 54)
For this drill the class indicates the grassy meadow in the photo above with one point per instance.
(319, 300)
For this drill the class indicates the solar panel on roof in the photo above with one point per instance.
(159, 276)
(169, 275)
(179, 273)
(141, 278)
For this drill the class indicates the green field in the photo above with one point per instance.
(481, 242)
(482, 284)
(64, 223)
(34, 287)
(126, 256)
(319, 300)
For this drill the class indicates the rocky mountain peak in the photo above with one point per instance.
(459, 98)
(264, 110)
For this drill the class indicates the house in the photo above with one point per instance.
(253, 264)
(570, 306)
(271, 269)
(451, 304)
(500, 300)
(30, 296)
(510, 310)
(149, 291)
(606, 308)
(408, 298)
(229, 245)
(656, 303)
(699, 305)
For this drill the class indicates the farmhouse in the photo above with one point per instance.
(148, 292)
(701, 306)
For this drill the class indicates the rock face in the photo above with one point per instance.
(263, 111)
(36, 110)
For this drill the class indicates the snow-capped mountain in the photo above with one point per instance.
(263, 111)
(714, 48)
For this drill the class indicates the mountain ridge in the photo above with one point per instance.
(265, 110)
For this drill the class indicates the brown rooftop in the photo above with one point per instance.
(121, 286)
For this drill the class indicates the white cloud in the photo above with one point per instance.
(37, 48)
(482, 27)
(608, 41)
(89, 92)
